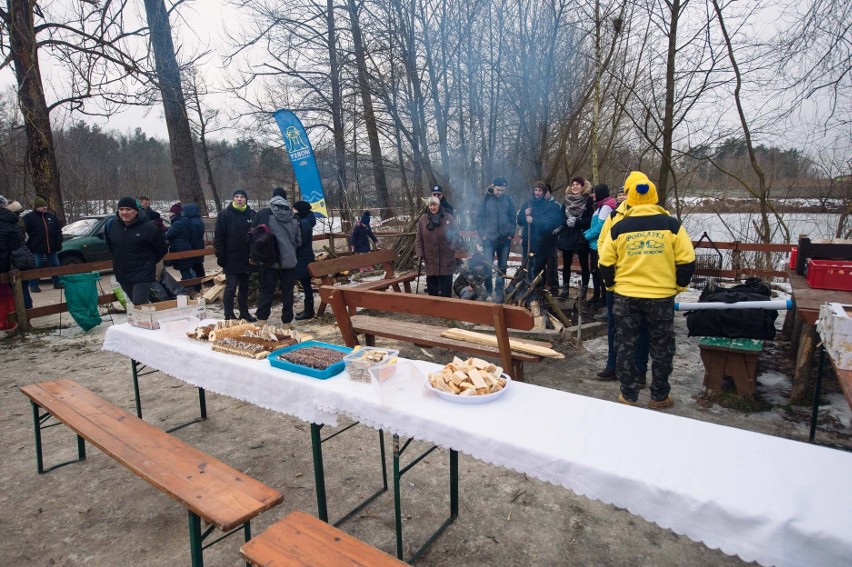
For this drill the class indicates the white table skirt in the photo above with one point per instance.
(762, 498)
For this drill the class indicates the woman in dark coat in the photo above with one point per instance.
(577, 209)
(232, 254)
(304, 256)
(436, 243)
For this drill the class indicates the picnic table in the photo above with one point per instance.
(748, 494)
(800, 326)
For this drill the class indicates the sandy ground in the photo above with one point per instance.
(98, 513)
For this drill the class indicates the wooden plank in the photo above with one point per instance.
(809, 300)
(300, 539)
(428, 335)
(517, 345)
(220, 494)
(384, 283)
(347, 263)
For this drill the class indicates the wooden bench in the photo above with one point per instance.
(502, 317)
(209, 489)
(301, 539)
(736, 358)
(326, 269)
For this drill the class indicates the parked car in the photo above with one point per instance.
(84, 241)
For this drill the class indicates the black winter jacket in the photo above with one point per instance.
(232, 252)
(571, 237)
(545, 216)
(136, 248)
(305, 252)
(10, 238)
(186, 233)
(44, 232)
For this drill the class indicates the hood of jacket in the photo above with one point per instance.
(281, 209)
(191, 211)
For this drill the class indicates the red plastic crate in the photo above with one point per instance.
(830, 274)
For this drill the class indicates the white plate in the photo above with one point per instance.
(479, 399)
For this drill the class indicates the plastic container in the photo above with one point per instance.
(392, 382)
(829, 274)
(359, 366)
(322, 374)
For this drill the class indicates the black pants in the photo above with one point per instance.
(232, 281)
(309, 294)
(284, 279)
(597, 279)
(138, 293)
(440, 285)
(583, 259)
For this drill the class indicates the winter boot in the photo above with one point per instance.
(245, 315)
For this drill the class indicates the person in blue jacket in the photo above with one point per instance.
(604, 205)
(186, 233)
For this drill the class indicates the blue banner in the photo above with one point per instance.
(302, 157)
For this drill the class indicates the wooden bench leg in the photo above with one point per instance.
(196, 538)
(714, 368)
(518, 370)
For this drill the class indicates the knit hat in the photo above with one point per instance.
(240, 192)
(176, 209)
(601, 192)
(436, 189)
(500, 182)
(279, 192)
(642, 193)
(633, 179)
(580, 180)
(39, 202)
(302, 207)
(365, 217)
(14, 206)
(127, 202)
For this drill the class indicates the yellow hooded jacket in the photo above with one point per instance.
(646, 253)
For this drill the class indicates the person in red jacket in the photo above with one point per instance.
(44, 238)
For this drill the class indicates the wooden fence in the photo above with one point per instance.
(735, 272)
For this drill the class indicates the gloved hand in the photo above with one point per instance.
(557, 230)
(571, 222)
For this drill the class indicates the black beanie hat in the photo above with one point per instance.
(279, 192)
(601, 192)
(240, 192)
(127, 202)
(302, 206)
(365, 217)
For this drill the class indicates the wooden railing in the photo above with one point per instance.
(105, 298)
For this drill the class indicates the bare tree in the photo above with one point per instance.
(204, 123)
(174, 105)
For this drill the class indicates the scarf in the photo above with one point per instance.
(575, 204)
(434, 220)
(240, 209)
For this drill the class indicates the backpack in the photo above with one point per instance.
(734, 323)
(263, 246)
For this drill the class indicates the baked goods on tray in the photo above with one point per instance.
(313, 357)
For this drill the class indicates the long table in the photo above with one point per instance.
(762, 498)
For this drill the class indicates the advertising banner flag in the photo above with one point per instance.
(302, 157)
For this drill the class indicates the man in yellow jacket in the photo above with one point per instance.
(646, 259)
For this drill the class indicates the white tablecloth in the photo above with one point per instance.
(763, 498)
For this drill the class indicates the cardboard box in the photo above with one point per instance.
(835, 329)
(149, 316)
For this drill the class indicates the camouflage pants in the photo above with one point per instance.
(659, 316)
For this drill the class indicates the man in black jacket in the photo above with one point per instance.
(44, 238)
(232, 253)
(137, 246)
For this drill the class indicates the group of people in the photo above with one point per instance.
(637, 256)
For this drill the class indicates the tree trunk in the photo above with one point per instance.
(174, 106)
(668, 118)
(337, 113)
(40, 148)
(369, 114)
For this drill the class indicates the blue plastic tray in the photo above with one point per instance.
(324, 374)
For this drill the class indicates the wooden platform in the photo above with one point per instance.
(733, 358)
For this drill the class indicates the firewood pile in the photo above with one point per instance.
(534, 295)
